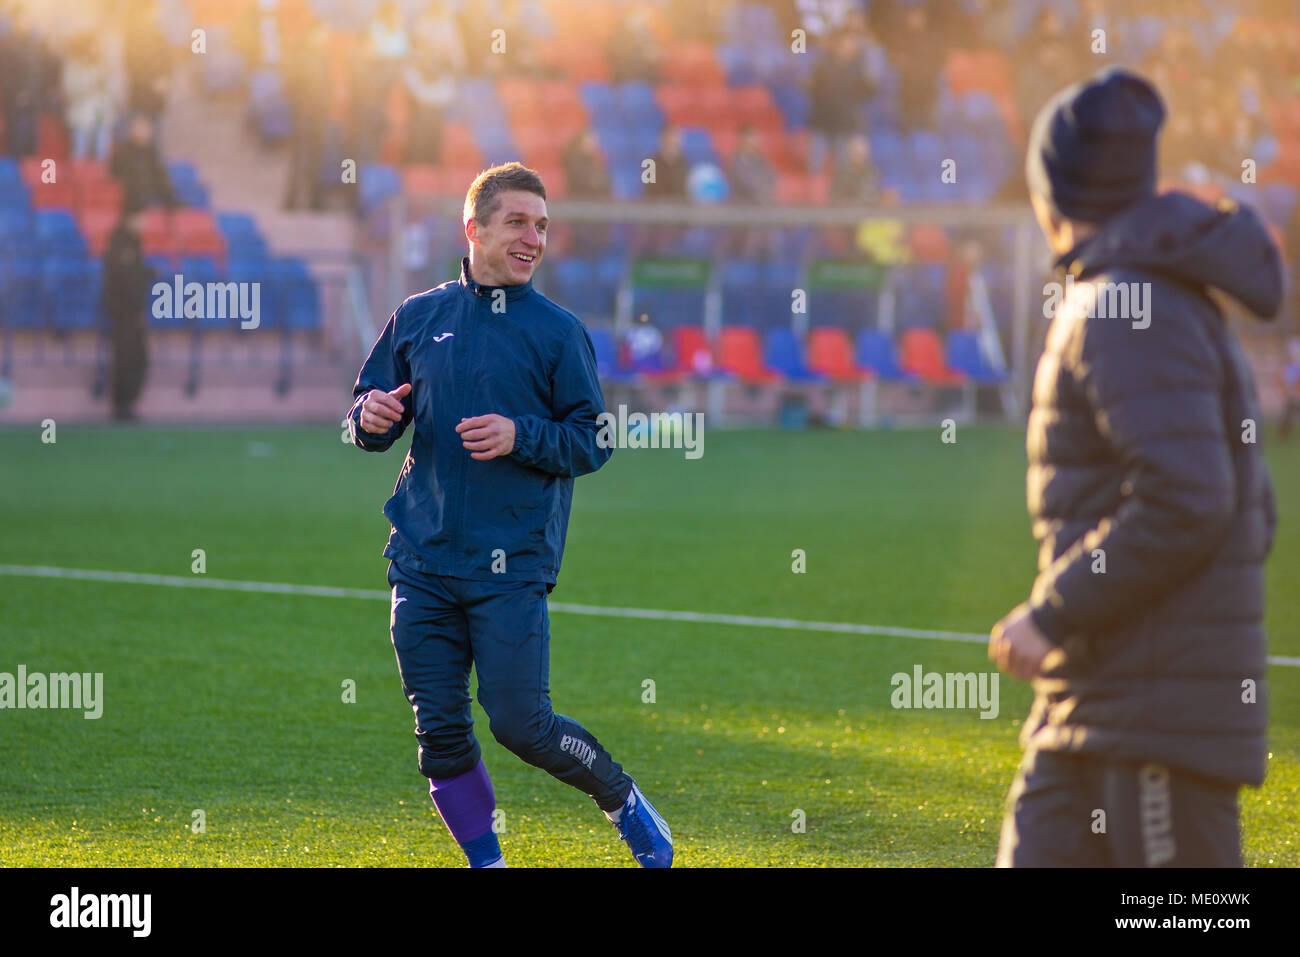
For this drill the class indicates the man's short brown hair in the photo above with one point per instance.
(484, 196)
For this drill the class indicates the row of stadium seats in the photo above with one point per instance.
(62, 293)
(831, 356)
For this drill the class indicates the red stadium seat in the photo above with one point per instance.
(519, 94)
(717, 107)
(740, 352)
(680, 104)
(90, 171)
(51, 137)
(459, 148)
(99, 195)
(197, 233)
(556, 94)
(692, 353)
(156, 235)
(928, 242)
(553, 175)
(95, 225)
(830, 352)
(61, 193)
(455, 180)
(792, 188)
(754, 106)
(693, 62)
(922, 354)
(421, 179)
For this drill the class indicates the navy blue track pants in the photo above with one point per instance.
(1154, 816)
(440, 627)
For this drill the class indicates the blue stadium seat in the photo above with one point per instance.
(379, 182)
(57, 233)
(793, 103)
(186, 184)
(965, 355)
(875, 351)
(15, 227)
(71, 288)
(607, 364)
(737, 64)
(243, 239)
(263, 271)
(599, 98)
(21, 302)
(782, 352)
(298, 296)
(697, 145)
(625, 181)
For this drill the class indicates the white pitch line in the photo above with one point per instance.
(326, 591)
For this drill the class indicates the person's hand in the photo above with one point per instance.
(487, 436)
(1016, 645)
(381, 409)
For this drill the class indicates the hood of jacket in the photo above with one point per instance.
(1173, 234)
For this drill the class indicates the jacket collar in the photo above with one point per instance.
(473, 288)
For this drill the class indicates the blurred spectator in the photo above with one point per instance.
(1180, 144)
(376, 72)
(587, 179)
(1291, 385)
(836, 90)
(135, 163)
(307, 87)
(670, 168)
(28, 72)
(875, 59)
(124, 300)
(88, 95)
(920, 59)
(856, 179)
(633, 50)
(825, 17)
(1044, 69)
(584, 167)
(752, 180)
(431, 88)
(643, 347)
(147, 60)
(436, 36)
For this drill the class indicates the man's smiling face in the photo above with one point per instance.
(506, 249)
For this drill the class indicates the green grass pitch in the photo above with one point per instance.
(231, 702)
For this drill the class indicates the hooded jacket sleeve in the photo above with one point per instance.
(567, 444)
(1156, 397)
(385, 368)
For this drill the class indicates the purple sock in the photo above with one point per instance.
(465, 803)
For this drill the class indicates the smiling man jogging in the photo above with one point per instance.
(500, 385)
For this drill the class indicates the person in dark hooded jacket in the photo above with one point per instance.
(1151, 502)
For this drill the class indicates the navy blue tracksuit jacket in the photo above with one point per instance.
(471, 350)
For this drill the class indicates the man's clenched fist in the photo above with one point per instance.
(1017, 647)
(487, 436)
(382, 409)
